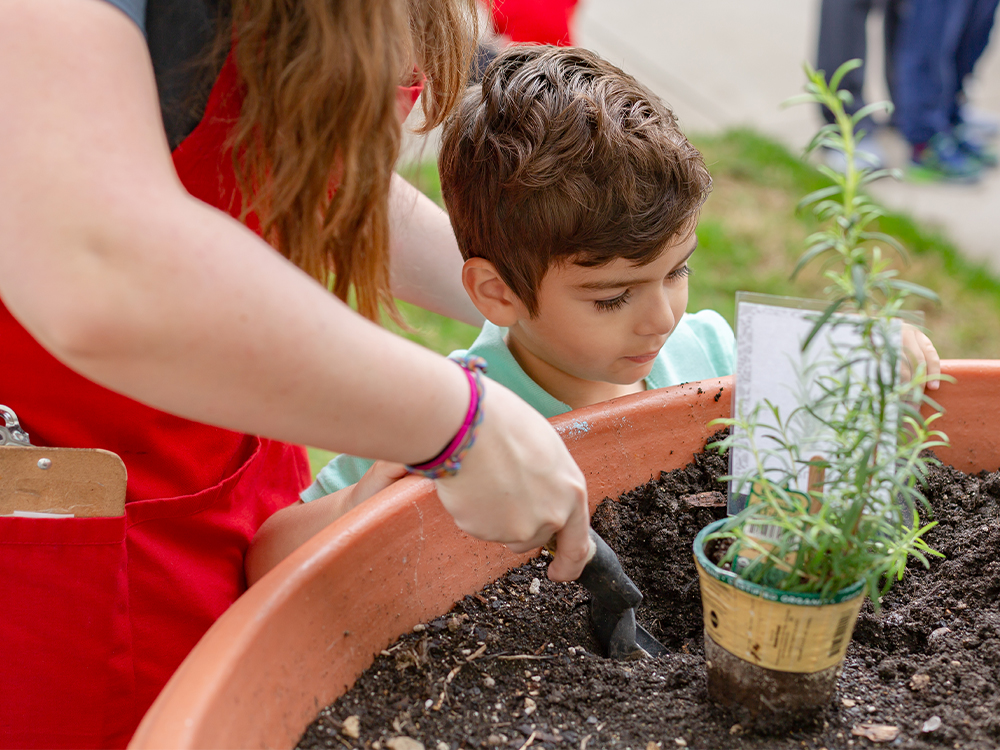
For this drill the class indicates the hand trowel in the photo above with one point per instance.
(613, 603)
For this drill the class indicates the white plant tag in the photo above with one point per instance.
(771, 368)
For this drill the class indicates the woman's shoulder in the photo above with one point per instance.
(181, 37)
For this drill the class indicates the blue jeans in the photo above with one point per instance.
(842, 37)
(971, 46)
(937, 44)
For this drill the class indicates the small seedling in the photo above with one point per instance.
(842, 503)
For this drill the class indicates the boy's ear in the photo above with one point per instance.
(491, 296)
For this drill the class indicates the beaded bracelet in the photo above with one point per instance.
(449, 461)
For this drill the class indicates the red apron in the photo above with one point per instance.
(97, 613)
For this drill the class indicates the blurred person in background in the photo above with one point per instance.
(938, 43)
(539, 21)
(973, 125)
(522, 22)
(843, 37)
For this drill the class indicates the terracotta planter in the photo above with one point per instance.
(302, 635)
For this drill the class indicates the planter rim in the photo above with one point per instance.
(765, 592)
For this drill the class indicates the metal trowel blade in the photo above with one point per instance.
(621, 636)
(645, 641)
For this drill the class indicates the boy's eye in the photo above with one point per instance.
(680, 273)
(615, 303)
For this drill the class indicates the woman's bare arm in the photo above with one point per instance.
(426, 261)
(123, 276)
(127, 279)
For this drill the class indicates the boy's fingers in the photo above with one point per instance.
(919, 349)
(377, 478)
(933, 361)
(391, 470)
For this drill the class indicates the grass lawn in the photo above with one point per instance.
(750, 237)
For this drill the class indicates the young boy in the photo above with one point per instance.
(574, 198)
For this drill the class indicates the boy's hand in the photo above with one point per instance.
(519, 485)
(920, 351)
(292, 526)
(377, 478)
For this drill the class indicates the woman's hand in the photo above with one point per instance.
(519, 485)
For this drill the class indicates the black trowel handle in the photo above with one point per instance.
(604, 578)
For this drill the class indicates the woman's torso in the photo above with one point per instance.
(101, 611)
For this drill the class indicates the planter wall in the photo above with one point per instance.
(298, 639)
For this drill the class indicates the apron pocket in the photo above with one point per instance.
(66, 674)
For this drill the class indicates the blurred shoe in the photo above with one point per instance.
(867, 155)
(978, 151)
(941, 159)
(979, 126)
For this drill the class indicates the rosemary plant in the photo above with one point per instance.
(856, 516)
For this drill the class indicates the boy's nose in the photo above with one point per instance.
(659, 319)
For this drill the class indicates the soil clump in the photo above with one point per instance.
(516, 665)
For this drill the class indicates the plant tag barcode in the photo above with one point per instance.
(764, 531)
(840, 632)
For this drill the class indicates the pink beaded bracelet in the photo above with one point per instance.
(449, 461)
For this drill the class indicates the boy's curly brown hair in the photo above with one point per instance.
(559, 156)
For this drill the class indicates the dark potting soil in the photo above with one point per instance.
(516, 665)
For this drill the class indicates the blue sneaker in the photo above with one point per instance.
(981, 126)
(942, 159)
(978, 151)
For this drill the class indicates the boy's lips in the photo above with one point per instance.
(642, 359)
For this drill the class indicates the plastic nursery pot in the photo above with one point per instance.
(300, 637)
(768, 650)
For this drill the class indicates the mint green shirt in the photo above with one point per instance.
(701, 346)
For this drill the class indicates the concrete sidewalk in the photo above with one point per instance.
(724, 63)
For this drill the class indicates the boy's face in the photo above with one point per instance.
(603, 325)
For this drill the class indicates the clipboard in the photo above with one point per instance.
(84, 482)
(78, 482)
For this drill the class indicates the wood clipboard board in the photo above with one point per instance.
(88, 483)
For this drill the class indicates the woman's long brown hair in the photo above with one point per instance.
(319, 130)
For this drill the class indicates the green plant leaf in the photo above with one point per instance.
(868, 109)
(887, 239)
(798, 99)
(821, 321)
(818, 195)
(813, 252)
(911, 288)
(878, 174)
(859, 278)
